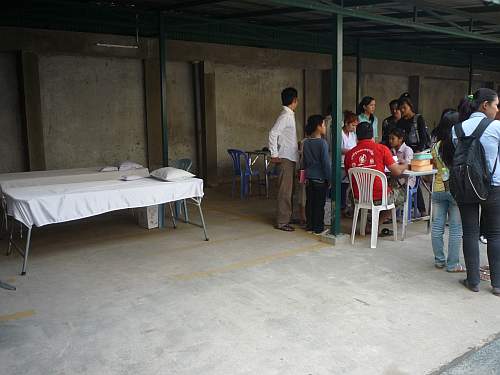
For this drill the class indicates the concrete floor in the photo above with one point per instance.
(103, 296)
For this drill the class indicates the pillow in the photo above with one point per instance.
(171, 174)
(108, 169)
(131, 177)
(128, 165)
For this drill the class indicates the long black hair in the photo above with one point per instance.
(443, 134)
(406, 99)
(361, 106)
(472, 103)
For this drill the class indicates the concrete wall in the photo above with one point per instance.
(92, 111)
(247, 103)
(93, 98)
(12, 144)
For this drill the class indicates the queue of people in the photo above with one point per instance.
(404, 133)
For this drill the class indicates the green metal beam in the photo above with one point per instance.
(336, 9)
(336, 126)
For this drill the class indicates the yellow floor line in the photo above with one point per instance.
(17, 315)
(251, 262)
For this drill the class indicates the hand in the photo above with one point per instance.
(275, 160)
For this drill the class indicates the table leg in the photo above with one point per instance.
(266, 175)
(405, 211)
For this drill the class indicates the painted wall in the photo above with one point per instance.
(248, 102)
(12, 147)
(92, 111)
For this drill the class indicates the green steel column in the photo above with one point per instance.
(163, 88)
(336, 129)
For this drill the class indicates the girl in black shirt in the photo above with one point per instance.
(413, 125)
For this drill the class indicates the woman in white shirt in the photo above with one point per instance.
(349, 139)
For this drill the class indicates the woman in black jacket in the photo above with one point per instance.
(413, 124)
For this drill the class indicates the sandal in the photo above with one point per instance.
(285, 228)
(440, 265)
(458, 268)
(386, 233)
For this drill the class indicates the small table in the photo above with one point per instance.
(266, 156)
(407, 174)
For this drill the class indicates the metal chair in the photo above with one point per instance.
(185, 164)
(365, 180)
(245, 174)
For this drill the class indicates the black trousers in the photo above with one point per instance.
(471, 230)
(315, 205)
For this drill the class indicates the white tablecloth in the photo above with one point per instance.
(48, 204)
(63, 176)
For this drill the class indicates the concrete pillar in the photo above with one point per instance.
(153, 113)
(32, 110)
(209, 122)
(414, 85)
(312, 98)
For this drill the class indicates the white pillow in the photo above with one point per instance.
(128, 165)
(171, 174)
(131, 177)
(108, 169)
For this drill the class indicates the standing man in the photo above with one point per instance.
(284, 151)
(390, 122)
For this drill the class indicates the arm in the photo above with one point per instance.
(423, 134)
(274, 133)
(327, 166)
(395, 168)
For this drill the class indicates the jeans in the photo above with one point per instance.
(491, 221)
(445, 206)
(315, 205)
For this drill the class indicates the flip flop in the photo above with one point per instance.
(386, 233)
(458, 268)
(286, 228)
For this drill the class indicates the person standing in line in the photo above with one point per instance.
(390, 122)
(416, 136)
(484, 105)
(443, 202)
(366, 113)
(317, 167)
(284, 152)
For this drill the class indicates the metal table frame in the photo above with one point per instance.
(254, 156)
(428, 218)
(23, 249)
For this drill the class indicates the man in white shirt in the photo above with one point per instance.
(284, 151)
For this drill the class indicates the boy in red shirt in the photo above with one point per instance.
(368, 154)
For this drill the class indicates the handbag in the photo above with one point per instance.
(302, 176)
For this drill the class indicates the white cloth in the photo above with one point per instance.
(63, 176)
(283, 137)
(42, 205)
(349, 141)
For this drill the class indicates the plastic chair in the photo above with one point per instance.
(365, 179)
(240, 157)
(185, 164)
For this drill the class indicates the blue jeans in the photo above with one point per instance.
(443, 206)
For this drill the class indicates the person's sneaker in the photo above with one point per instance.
(472, 288)
(496, 291)
(483, 240)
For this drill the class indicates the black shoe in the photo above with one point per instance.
(496, 291)
(472, 288)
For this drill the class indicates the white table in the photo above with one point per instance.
(50, 204)
(407, 174)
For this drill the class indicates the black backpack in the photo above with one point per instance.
(470, 178)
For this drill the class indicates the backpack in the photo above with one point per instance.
(413, 135)
(470, 178)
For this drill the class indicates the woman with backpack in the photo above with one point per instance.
(416, 136)
(475, 182)
(444, 206)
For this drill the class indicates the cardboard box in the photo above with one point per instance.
(147, 217)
